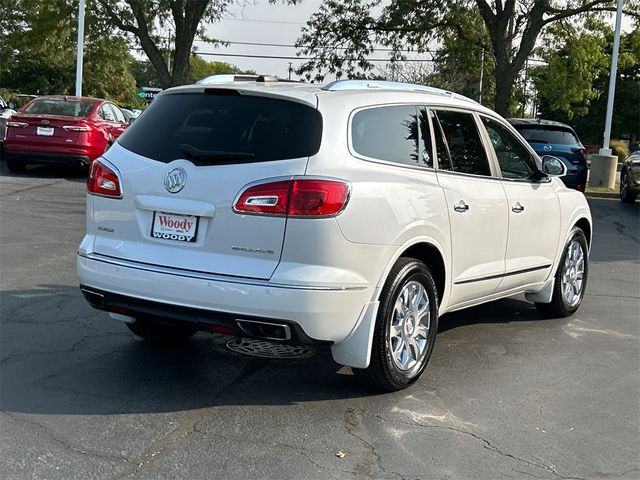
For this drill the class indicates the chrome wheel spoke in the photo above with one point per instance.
(408, 329)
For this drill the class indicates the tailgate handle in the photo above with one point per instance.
(175, 205)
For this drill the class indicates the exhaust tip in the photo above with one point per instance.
(266, 330)
(95, 299)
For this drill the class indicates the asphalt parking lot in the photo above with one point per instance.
(506, 395)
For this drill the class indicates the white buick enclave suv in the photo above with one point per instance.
(352, 215)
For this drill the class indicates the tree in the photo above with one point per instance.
(573, 85)
(343, 33)
(574, 58)
(156, 23)
(38, 52)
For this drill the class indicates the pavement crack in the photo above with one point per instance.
(354, 427)
(486, 444)
(65, 443)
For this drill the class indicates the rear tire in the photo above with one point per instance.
(16, 166)
(405, 329)
(627, 195)
(570, 279)
(161, 333)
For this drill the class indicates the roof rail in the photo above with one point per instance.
(385, 85)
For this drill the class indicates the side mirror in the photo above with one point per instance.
(12, 105)
(553, 166)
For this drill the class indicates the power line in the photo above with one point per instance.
(288, 45)
(262, 21)
(285, 57)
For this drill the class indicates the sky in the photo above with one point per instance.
(260, 23)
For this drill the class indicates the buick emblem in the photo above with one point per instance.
(175, 180)
(45, 121)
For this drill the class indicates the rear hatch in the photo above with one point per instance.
(49, 123)
(558, 141)
(182, 165)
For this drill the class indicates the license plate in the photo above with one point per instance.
(45, 131)
(171, 226)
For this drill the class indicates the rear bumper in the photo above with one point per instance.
(46, 158)
(314, 314)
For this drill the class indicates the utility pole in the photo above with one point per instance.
(604, 165)
(605, 150)
(290, 69)
(80, 49)
(481, 76)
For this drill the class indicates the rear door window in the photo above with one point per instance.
(254, 128)
(460, 148)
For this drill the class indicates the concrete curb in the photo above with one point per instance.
(615, 195)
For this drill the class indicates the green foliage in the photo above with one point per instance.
(589, 114)
(619, 148)
(201, 68)
(38, 53)
(461, 59)
(342, 34)
(575, 58)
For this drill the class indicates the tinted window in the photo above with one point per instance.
(556, 135)
(387, 133)
(267, 128)
(461, 137)
(514, 159)
(59, 106)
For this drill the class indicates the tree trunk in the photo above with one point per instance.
(504, 90)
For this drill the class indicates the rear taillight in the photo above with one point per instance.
(103, 181)
(295, 198)
(17, 124)
(77, 128)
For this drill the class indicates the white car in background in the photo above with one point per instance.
(353, 214)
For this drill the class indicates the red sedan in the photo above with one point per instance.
(61, 130)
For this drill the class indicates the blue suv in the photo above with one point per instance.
(554, 138)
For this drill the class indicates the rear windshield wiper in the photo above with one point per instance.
(202, 156)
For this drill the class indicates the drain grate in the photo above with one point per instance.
(264, 349)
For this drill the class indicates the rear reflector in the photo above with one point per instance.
(103, 181)
(297, 198)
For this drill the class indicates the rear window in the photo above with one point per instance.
(260, 128)
(554, 135)
(67, 108)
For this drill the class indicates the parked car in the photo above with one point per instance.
(61, 130)
(352, 215)
(630, 178)
(554, 138)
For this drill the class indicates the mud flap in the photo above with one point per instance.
(544, 295)
(355, 350)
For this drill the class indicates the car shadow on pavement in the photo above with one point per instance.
(59, 356)
(72, 174)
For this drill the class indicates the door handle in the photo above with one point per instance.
(517, 208)
(461, 207)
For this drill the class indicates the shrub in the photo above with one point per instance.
(619, 148)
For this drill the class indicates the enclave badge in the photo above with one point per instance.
(175, 180)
